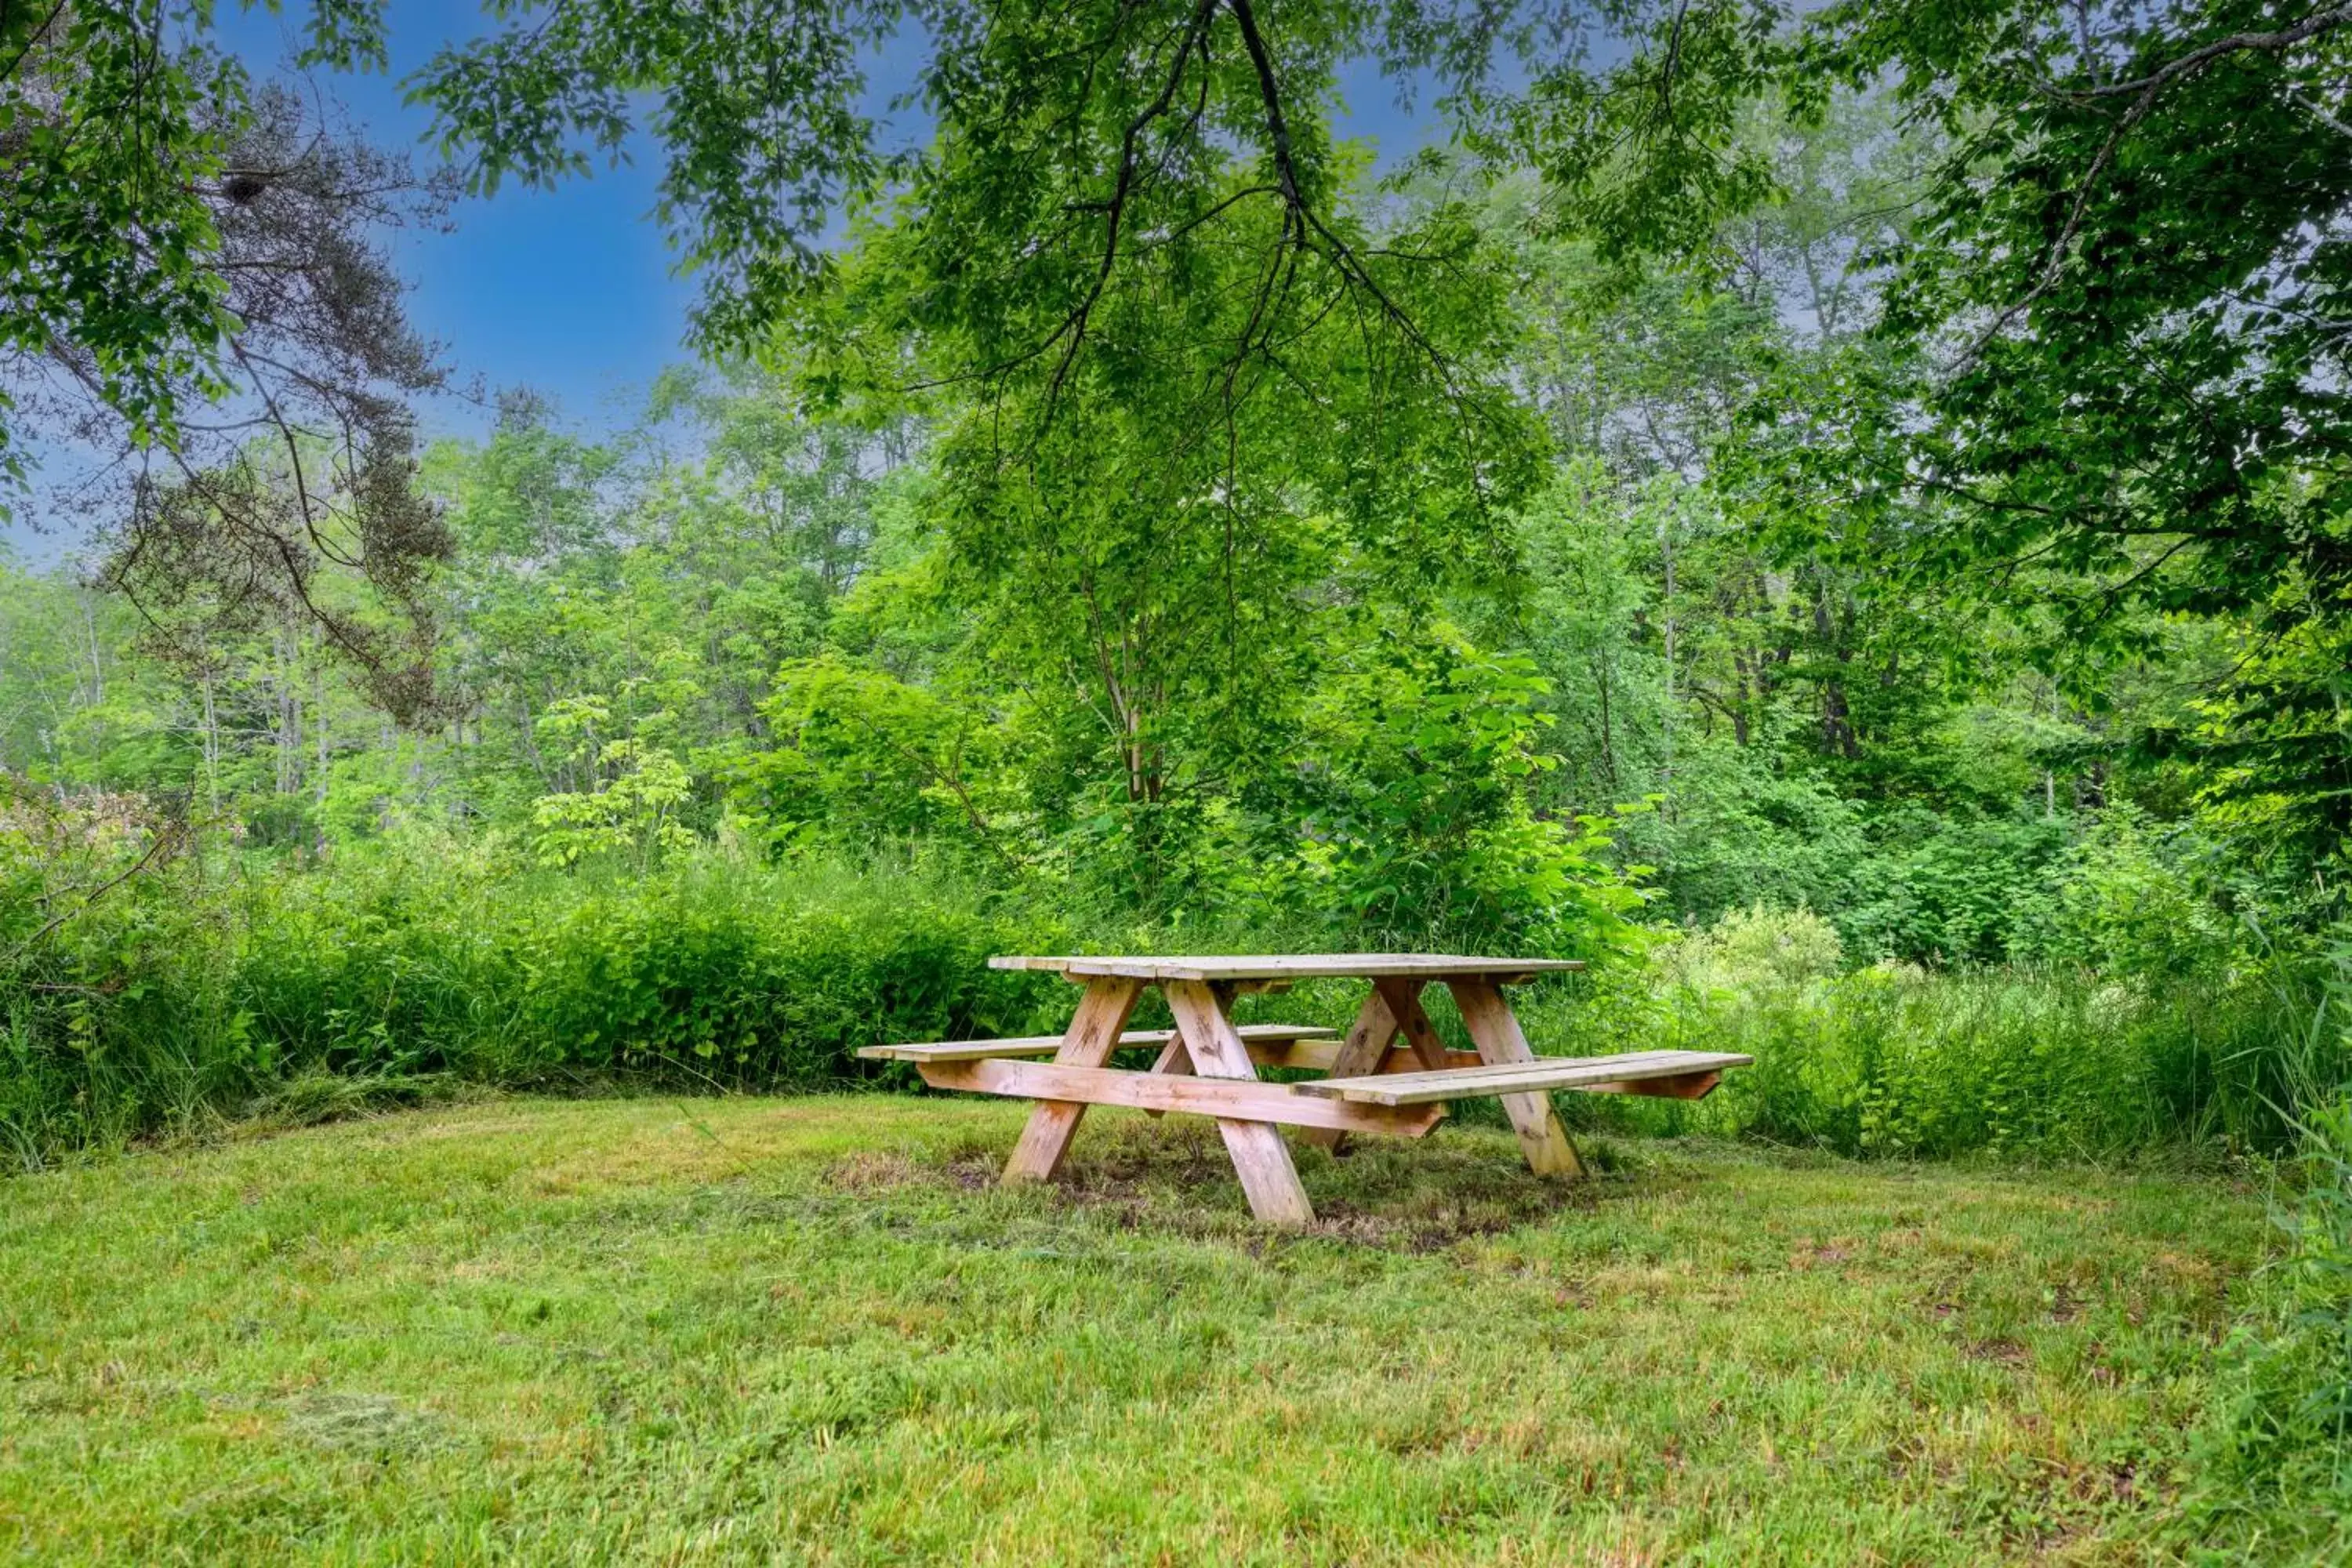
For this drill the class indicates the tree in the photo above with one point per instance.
(1067, 142)
(191, 285)
(119, 131)
(1072, 152)
(2115, 352)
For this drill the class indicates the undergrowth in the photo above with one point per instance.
(225, 987)
(2275, 1461)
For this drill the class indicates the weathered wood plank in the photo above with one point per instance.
(1260, 1161)
(1176, 1062)
(1477, 1073)
(1630, 1074)
(1365, 1048)
(1585, 1074)
(1088, 1042)
(1683, 1085)
(1276, 967)
(1260, 987)
(1403, 998)
(1319, 1055)
(1270, 1036)
(1230, 1098)
(1582, 1074)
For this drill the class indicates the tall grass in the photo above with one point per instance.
(224, 987)
(1895, 1061)
(718, 970)
(2274, 1478)
(220, 990)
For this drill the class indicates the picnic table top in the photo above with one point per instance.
(1289, 966)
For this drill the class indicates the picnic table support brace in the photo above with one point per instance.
(1173, 1059)
(1403, 999)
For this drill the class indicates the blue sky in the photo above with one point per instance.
(571, 291)
(567, 291)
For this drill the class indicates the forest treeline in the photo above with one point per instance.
(1665, 681)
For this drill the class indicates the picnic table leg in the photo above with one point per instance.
(1259, 1158)
(1496, 1030)
(1392, 1009)
(1092, 1036)
(1360, 1053)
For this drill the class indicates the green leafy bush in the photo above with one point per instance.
(747, 979)
(1779, 949)
(1743, 833)
(2123, 899)
(189, 994)
(1893, 1059)
(2273, 1467)
(201, 987)
(1951, 890)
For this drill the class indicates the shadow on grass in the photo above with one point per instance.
(1175, 1177)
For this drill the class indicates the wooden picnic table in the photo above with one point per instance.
(1389, 1073)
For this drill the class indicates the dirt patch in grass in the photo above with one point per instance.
(869, 1170)
(1177, 1178)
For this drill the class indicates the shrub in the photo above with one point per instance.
(1896, 1061)
(202, 988)
(747, 978)
(2124, 899)
(1743, 832)
(190, 993)
(2273, 1466)
(1952, 891)
(1752, 948)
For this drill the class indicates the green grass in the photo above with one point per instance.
(812, 1330)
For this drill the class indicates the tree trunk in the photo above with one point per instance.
(1666, 738)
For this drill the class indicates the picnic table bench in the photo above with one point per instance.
(1389, 1073)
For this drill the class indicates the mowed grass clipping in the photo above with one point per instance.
(814, 1331)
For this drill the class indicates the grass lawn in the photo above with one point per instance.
(756, 1330)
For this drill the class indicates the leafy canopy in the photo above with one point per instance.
(2114, 344)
